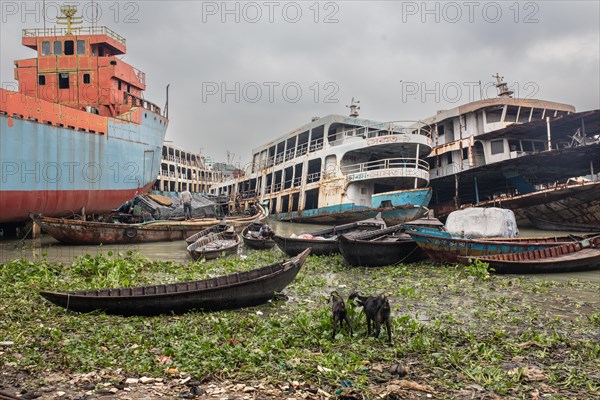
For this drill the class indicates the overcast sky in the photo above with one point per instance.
(244, 73)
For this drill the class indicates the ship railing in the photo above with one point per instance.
(297, 181)
(385, 129)
(172, 174)
(164, 172)
(139, 102)
(389, 163)
(314, 177)
(87, 30)
(316, 144)
(268, 189)
(302, 149)
(279, 158)
(289, 154)
(277, 187)
(171, 158)
(271, 161)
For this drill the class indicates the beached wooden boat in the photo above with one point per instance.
(78, 232)
(325, 242)
(253, 240)
(388, 246)
(567, 226)
(583, 255)
(241, 289)
(440, 246)
(215, 245)
(220, 227)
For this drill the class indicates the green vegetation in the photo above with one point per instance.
(499, 334)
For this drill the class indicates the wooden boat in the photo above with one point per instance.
(215, 245)
(568, 226)
(388, 246)
(241, 289)
(325, 242)
(77, 232)
(583, 255)
(440, 246)
(252, 239)
(220, 227)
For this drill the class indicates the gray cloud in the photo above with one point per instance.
(371, 52)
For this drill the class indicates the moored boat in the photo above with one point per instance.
(582, 255)
(215, 245)
(220, 227)
(241, 289)
(384, 247)
(252, 238)
(325, 242)
(441, 246)
(77, 232)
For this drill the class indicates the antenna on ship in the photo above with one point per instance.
(69, 19)
(354, 107)
(502, 87)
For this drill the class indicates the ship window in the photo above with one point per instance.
(86, 78)
(527, 146)
(63, 81)
(497, 146)
(537, 113)
(57, 48)
(524, 114)
(42, 80)
(119, 85)
(514, 145)
(81, 47)
(511, 114)
(493, 114)
(45, 48)
(69, 48)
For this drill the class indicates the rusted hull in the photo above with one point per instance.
(569, 204)
(570, 257)
(444, 248)
(550, 225)
(242, 289)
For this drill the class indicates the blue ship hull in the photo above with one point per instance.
(57, 171)
(395, 208)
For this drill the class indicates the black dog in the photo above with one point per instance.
(339, 314)
(377, 309)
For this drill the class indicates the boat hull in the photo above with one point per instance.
(256, 243)
(366, 253)
(395, 208)
(442, 247)
(319, 247)
(243, 289)
(58, 171)
(571, 257)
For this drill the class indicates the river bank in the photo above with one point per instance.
(460, 333)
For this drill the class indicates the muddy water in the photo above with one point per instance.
(176, 251)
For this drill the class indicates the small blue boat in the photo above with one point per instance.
(441, 246)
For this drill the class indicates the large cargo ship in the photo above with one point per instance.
(77, 137)
(339, 169)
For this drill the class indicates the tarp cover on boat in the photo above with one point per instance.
(482, 223)
(202, 207)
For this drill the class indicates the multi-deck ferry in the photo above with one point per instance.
(516, 153)
(339, 169)
(78, 136)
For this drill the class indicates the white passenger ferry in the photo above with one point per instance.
(339, 169)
